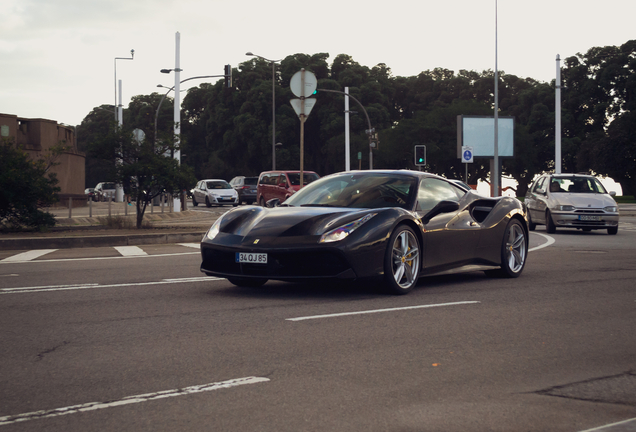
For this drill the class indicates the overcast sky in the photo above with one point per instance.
(57, 56)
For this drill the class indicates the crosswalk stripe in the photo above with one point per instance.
(29, 255)
(130, 250)
(192, 245)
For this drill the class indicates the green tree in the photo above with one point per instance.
(26, 186)
(146, 169)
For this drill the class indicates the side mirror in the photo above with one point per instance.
(540, 191)
(274, 202)
(612, 193)
(441, 207)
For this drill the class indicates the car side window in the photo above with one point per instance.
(432, 191)
(539, 184)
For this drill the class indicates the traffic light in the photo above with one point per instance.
(420, 155)
(228, 76)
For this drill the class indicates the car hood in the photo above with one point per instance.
(584, 200)
(287, 221)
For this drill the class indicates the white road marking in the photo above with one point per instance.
(21, 290)
(192, 245)
(130, 250)
(92, 406)
(379, 310)
(630, 423)
(100, 258)
(28, 256)
(546, 244)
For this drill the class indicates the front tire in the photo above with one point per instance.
(549, 224)
(402, 261)
(514, 250)
(261, 202)
(194, 201)
(247, 283)
(207, 202)
(612, 230)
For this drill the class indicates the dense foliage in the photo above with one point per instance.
(26, 185)
(227, 131)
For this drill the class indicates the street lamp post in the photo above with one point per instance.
(273, 104)
(132, 57)
(172, 88)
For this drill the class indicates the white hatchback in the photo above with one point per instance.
(571, 201)
(214, 192)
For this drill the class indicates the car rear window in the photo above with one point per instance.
(251, 180)
(108, 186)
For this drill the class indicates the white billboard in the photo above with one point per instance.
(479, 133)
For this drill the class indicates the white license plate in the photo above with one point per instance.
(589, 218)
(253, 258)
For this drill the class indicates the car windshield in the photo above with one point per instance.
(218, 184)
(375, 190)
(294, 178)
(576, 185)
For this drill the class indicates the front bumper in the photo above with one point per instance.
(593, 219)
(282, 264)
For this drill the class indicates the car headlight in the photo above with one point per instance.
(611, 209)
(565, 208)
(214, 229)
(343, 231)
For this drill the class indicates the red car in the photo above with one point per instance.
(281, 184)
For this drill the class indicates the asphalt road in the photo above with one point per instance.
(103, 339)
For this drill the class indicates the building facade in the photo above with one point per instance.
(36, 136)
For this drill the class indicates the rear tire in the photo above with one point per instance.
(402, 261)
(531, 225)
(549, 225)
(247, 283)
(514, 250)
(261, 202)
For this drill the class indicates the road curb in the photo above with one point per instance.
(99, 241)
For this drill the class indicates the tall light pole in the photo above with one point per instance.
(177, 107)
(273, 105)
(132, 57)
(172, 88)
(495, 182)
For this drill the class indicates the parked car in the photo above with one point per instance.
(281, 184)
(387, 225)
(105, 190)
(90, 193)
(246, 188)
(571, 201)
(214, 191)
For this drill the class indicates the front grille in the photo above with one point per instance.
(279, 264)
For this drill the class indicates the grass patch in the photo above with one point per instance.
(624, 199)
(122, 222)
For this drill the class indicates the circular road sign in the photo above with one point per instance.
(467, 154)
(310, 84)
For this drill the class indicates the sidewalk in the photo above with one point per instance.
(90, 227)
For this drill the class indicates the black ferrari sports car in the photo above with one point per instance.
(390, 225)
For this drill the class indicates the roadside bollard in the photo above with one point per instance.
(108, 206)
(90, 206)
(70, 207)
